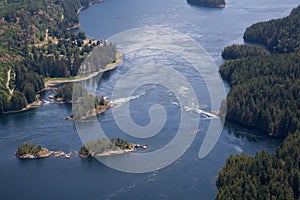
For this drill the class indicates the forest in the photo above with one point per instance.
(243, 51)
(278, 35)
(265, 88)
(264, 92)
(37, 41)
(263, 176)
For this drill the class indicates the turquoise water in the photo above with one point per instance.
(188, 177)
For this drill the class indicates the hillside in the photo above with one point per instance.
(278, 35)
(264, 87)
(264, 94)
(263, 176)
(37, 41)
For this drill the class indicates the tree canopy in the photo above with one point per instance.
(264, 87)
(278, 35)
(263, 176)
(36, 42)
(264, 94)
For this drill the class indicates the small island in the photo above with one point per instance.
(97, 148)
(208, 3)
(101, 105)
(103, 147)
(64, 94)
(30, 151)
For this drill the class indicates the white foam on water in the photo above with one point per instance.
(238, 149)
(120, 101)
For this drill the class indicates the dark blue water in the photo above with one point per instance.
(188, 177)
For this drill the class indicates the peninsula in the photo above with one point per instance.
(50, 82)
(46, 47)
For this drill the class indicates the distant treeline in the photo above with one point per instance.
(208, 3)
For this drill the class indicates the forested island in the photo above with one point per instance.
(30, 151)
(104, 147)
(208, 3)
(97, 148)
(265, 88)
(36, 43)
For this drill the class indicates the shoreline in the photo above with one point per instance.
(45, 153)
(96, 111)
(114, 152)
(90, 4)
(76, 26)
(30, 106)
(50, 83)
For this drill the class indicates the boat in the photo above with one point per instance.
(69, 155)
(58, 154)
(141, 146)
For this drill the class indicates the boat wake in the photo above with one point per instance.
(191, 107)
(199, 110)
(120, 101)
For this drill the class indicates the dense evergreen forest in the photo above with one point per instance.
(279, 35)
(208, 3)
(243, 51)
(265, 89)
(37, 41)
(263, 176)
(264, 93)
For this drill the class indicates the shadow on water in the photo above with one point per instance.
(250, 134)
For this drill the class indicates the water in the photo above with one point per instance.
(188, 177)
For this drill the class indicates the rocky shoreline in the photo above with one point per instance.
(45, 153)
